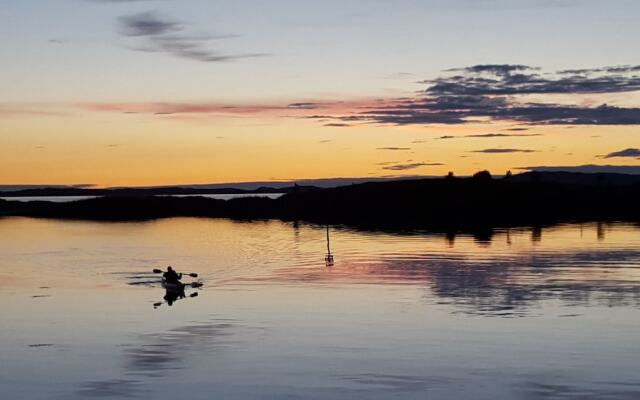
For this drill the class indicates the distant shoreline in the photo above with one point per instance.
(456, 204)
(63, 199)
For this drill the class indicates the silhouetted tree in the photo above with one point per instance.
(450, 175)
(508, 175)
(482, 175)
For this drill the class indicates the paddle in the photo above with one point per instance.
(191, 274)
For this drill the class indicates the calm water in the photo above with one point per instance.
(543, 314)
(65, 199)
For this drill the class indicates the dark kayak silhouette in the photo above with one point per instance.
(174, 288)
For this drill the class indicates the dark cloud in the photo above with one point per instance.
(165, 35)
(494, 135)
(490, 135)
(493, 92)
(394, 148)
(587, 168)
(433, 111)
(496, 69)
(303, 105)
(630, 152)
(147, 24)
(500, 150)
(616, 69)
(404, 167)
(520, 79)
(337, 125)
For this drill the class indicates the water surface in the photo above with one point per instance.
(66, 199)
(547, 313)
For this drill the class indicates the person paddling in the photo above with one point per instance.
(171, 276)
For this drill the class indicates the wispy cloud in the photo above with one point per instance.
(161, 34)
(147, 24)
(501, 151)
(394, 148)
(304, 105)
(337, 125)
(303, 110)
(170, 108)
(489, 135)
(408, 166)
(630, 153)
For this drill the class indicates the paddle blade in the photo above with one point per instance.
(196, 284)
(157, 271)
(193, 275)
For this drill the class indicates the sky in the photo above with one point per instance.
(164, 92)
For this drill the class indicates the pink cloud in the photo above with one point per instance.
(188, 110)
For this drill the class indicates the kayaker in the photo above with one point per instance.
(172, 276)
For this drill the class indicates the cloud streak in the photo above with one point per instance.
(170, 108)
(408, 166)
(501, 151)
(489, 135)
(147, 24)
(630, 153)
(160, 34)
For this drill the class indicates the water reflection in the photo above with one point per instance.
(171, 296)
(158, 356)
(544, 312)
(493, 278)
(328, 258)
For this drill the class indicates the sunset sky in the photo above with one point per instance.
(159, 92)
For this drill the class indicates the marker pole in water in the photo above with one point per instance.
(329, 257)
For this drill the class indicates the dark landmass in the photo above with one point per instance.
(200, 188)
(129, 192)
(447, 204)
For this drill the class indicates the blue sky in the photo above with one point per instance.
(313, 48)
